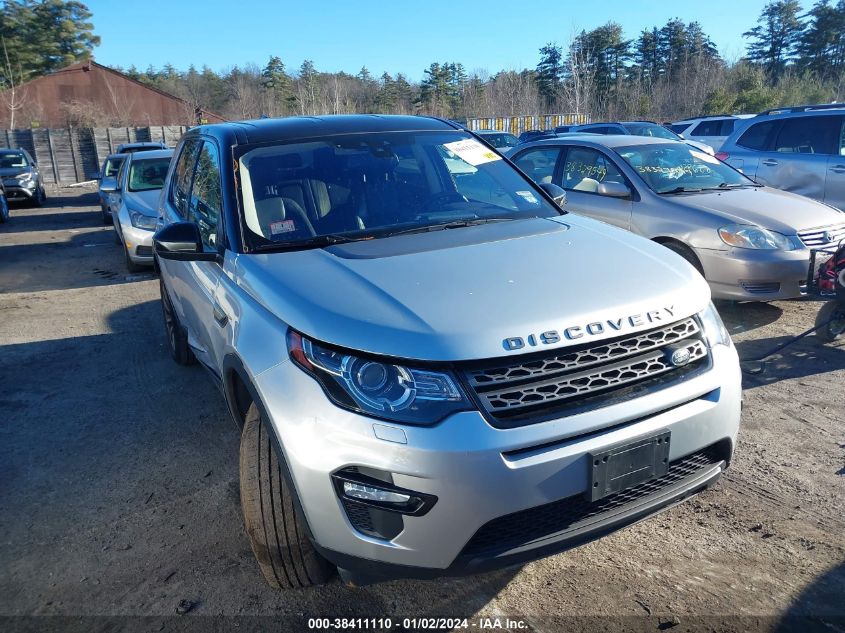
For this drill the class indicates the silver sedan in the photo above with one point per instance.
(749, 241)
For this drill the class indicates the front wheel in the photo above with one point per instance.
(4, 209)
(833, 315)
(687, 254)
(273, 520)
(177, 340)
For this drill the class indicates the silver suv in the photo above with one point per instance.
(428, 379)
(800, 149)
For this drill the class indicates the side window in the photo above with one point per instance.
(180, 189)
(710, 127)
(205, 204)
(842, 137)
(808, 135)
(728, 127)
(757, 136)
(121, 173)
(539, 164)
(585, 168)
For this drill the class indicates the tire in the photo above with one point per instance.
(131, 266)
(272, 517)
(106, 218)
(4, 210)
(40, 197)
(177, 340)
(835, 313)
(686, 253)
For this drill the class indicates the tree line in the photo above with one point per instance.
(667, 72)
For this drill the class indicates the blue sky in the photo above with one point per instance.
(392, 35)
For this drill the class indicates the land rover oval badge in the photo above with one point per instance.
(680, 357)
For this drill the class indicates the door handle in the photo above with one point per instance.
(770, 162)
(838, 169)
(220, 316)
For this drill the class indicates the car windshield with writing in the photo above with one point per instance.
(148, 174)
(12, 159)
(364, 186)
(676, 168)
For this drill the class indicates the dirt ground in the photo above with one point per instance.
(119, 492)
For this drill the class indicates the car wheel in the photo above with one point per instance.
(687, 254)
(832, 313)
(4, 209)
(176, 338)
(272, 517)
(131, 266)
(40, 197)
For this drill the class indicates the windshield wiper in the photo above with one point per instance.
(319, 241)
(681, 190)
(454, 224)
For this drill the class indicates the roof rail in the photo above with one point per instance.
(803, 108)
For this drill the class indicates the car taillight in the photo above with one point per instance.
(723, 156)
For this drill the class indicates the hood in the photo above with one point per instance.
(459, 294)
(8, 172)
(145, 202)
(780, 211)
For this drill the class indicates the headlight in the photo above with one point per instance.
(749, 236)
(376, 387)
(714, 330)
(141, 221)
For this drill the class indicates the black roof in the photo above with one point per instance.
(263, 130)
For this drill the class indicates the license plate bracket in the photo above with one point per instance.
(627, 465)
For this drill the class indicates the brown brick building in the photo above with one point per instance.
(88, 94)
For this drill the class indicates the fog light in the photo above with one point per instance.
(368, 493)
(373, 488)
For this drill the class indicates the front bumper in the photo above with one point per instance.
(15, 193)
(139, 242)
(479, 473)
(743, 274)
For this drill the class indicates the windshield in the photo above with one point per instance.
(374, 185)
(112, 166)
(675, 168)
(148, 173)
(651, 129)
(12, 159)
(501, 140)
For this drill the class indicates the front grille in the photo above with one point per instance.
(823, 236)
(552, 519)
(531, 389)
(761, 288)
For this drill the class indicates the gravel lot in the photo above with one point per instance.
(119, 492)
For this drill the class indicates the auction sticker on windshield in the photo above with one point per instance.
(472, 152)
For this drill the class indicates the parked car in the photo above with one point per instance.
(533, 135)
(799, 149)
(128, 148)
(498, 139)
(427, 381)
(141, 179)
(4, 205)
(749, 241)
(21, 178)
(108, 179)
(641, 128)
(712, 130)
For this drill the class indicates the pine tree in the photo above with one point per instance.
(776, 37)
(550, 71)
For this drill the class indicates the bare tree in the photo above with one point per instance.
(13, 94)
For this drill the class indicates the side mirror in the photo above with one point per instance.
(557, 194)
(108, 184)
(613, 190)
(181, 241)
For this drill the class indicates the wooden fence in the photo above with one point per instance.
(68, 155)
(519, 124)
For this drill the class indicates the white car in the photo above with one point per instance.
(712, 130)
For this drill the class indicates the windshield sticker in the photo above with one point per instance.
(285, 226)
(472, 152)
(707, 158)
(527, 195)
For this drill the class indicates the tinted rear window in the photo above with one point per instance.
(808, 135)
(757, 136)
